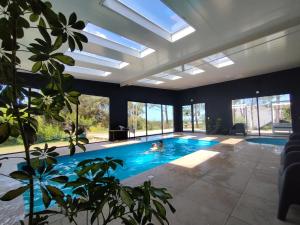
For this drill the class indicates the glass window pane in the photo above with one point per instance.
(154, 125)
(245, 111)
(199, 117)
(93, 115)
(106, 34)
(137, 118)
(166, 19)
(187, 118)
(275, 115)
(168, 118)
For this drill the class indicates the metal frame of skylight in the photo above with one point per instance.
(129, 13)
(97, 40)
(92, 58)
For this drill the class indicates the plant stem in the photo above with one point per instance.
(17, 113)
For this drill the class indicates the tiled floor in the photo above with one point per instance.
(233, 183)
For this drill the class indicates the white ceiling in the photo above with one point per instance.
(242, 29)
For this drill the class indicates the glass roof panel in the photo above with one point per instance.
(218, 60)
(158, 13)
(108, 35)
(149, 81)
(90, 58)
(87, 71)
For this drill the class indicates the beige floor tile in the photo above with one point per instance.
(260, 186)
(211, 196)
(231, 178)
(255, 211)
(191, 213)
(235, 221)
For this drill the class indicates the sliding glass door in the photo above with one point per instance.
(187, 118)
(93, 115)
(154, 119)
(150, 119)
(137, 118)
(275, 115)
(168, 118)
(245, 111)
(199, 117)
(268, 115)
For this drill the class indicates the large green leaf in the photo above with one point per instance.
(20, 175)
(64, 59)
(36, 66)
(160, 209)
(4, 132)
(126, 197)
(14, 193)
(46, 197)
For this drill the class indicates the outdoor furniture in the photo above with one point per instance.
(282, 127)
(238, 128)
(118, 134)
(288, 149)
(289, 184)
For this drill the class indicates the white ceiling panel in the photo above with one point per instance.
(244, 30)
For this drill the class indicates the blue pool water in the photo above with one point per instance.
(269, 141)
(136, 157)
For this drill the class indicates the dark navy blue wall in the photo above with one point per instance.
(218, 97)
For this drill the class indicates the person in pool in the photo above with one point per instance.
(157, 146)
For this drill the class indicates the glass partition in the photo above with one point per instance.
(268, 115)
(137, 118)
(168, 118)
(154, 119)
(187, 118)
(199, 117)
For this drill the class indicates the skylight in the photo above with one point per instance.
(96, 59)
(149, 81)
(189, 69)
(154, 15)
(87, 71)
(167, 76)
(219, 60)
(117, 42)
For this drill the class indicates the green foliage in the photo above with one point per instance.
(36, 116)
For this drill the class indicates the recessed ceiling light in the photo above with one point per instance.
(219, 60)
(149, 81)
(87, 71)
(96, 59)
(167, 76)
(166, 23)
(189, 69)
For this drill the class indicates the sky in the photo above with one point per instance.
(158, 13)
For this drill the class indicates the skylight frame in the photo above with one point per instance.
(86, 71)
(100, 36)
(219, 60)
(119, 7)
(88, 57)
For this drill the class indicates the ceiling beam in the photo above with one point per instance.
(254, 34)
